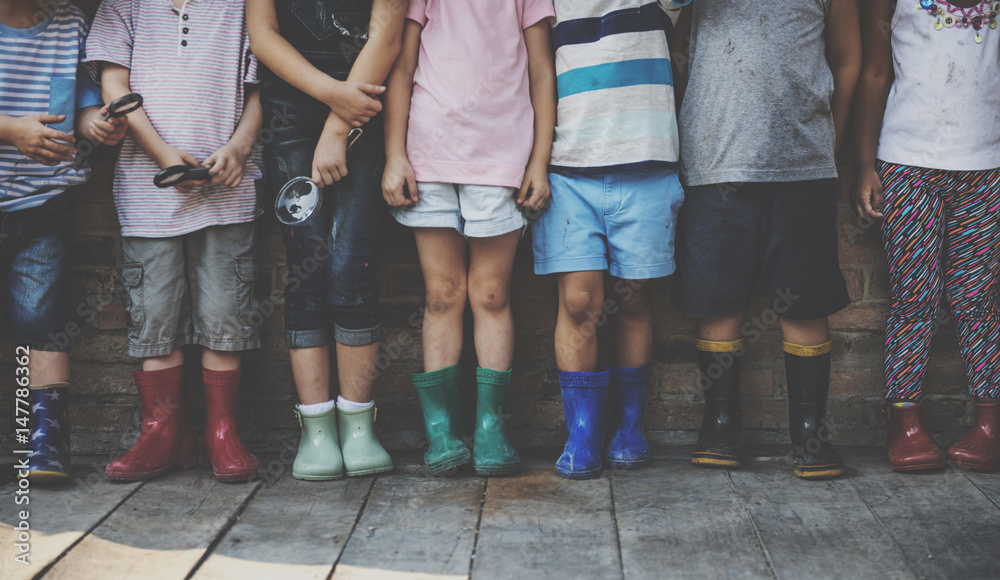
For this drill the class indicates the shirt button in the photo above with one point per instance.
(184, 43)
(185, 17)
(185, 30)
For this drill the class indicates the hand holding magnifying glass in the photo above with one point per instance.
(300, 198)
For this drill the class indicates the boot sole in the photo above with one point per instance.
(497, 471)
(820, 471)
(628, 464)
(237, 478)
(976, 466)
(923, 467)
(148, 474)
(455, 463)
(578, 475)
(318, 477)
(706, 459)
(47, 476)
(368, 471)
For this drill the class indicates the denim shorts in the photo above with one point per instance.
(192, 289)
(476, 211)
(35, 274)
(332, 291)
(783, 234)
(620, 222)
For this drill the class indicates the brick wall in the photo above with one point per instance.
(105, 417)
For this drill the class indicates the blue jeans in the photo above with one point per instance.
(35, 275)
(332, 292)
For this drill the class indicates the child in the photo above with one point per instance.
(615, 198)
(41, 43)
(312, 93)
(461, 159)
(768, 98)
(934, 180)
(190, 262)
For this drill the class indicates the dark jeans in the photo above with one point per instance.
(35, 274)
(331, 259)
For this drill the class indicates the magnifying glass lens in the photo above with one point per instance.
(298, 201)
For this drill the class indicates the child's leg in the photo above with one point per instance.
(581, 297)
(634, 323)
(631, 378)
(491, 262)
(443, 261)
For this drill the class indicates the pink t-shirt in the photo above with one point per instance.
(471, 120)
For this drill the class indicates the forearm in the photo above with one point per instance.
(114, 85)
(6, 127)
(543, 101)
(845, 81)
(84, 118)
(397, 112)
(250, 123)
(873, 91)
(281, 58)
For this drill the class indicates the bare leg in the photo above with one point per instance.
(723, 328)
(806, 332)
(311, 371)
(356, 371)
(634, 323)
(158, 363)
(215, 360)
(45, 368)
(581, 296)
(490, 265)
(445, 266)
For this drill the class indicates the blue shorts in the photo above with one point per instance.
(35, 274)
(620, 222)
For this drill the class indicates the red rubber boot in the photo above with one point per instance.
(166, 439)
(230, 459)
(910, 446)
(981, 448)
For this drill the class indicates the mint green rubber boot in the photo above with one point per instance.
(363, 454)
(492, 453)
(319, 457)
(441, 404)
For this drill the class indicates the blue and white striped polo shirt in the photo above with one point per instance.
(616, 98)
(39, 72)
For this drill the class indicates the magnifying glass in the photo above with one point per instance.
(123, 106)
(176, 174)
(300, 198)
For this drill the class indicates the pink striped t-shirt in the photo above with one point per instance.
(191, 65)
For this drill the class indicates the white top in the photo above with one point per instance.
(943, 110)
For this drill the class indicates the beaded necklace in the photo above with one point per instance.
(976, 17)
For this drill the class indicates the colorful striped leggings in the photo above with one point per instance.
(941, 232)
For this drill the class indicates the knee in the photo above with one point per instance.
(634, 303)
(445, 295)
(491, 295)
(579, 304)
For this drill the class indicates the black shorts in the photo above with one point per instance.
(784, 234)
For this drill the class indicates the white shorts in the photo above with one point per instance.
(476, 211)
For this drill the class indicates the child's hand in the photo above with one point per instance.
(330, 157)
(32, 137)
(399, 185)
(866, 194)
(535, 192)
(174, 156)
(355, 103)
(109, 132)
(228, 164)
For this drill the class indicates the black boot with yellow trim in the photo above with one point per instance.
(719, 443)
(808, 376)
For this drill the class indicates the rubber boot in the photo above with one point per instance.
(910, 446)
(719, 442)
(166, 440)
(980, 449)
(807, 370)
(441, 404)
(230, 460)
(626, 402)
(584, 396)
(319, 457)
(49, 459)
(492, 451)
(363, 454)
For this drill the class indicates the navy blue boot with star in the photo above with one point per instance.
(49, 457)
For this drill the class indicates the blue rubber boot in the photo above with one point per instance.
(584, 396)
(49, 458)
(626, 402)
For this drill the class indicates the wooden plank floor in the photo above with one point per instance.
(669, 520)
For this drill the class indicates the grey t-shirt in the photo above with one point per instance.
(757, 106)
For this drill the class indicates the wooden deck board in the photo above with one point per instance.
(414, 527)
(816, 529)
(539, 521)
(59, 515)
(291, 530)
(685, 519)
(160, 533)
(946, 527)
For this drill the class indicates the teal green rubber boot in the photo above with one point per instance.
(363, 454)
(441, 404)
(492, 453)
(319, 457)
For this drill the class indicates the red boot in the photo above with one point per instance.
(910, 446)
(981, 448)
(166, 440)
(230, 460)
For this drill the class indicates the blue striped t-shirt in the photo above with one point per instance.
(616, 107)
(40, 73)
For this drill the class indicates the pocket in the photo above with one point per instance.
(62, 101)
(132, 272)
(323, 19)
(246, 301)
(619, 30)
